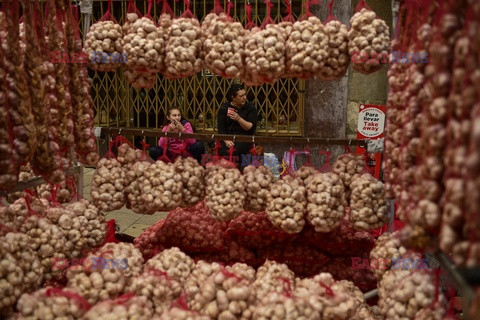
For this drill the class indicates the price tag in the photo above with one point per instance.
(97, 131)
(375, 146)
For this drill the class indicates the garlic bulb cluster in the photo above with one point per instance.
(369, 41)
(257, 185)
(325, 201)
(104, 43)
(287, 205)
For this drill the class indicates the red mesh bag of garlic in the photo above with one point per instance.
(17, 102)
(144, 47)
(148, 243)
(127, 306)
(193, 230)
(223, 47)
(62, 302)
(152, 187)
(108, 182)
(286, 205)
(183, 52)
(307, 45)
(225, 193)
(248, 78)
(369, 40)
(258, 180)
(225, 294)
(159, 289)
(265, 50)
(307, 170)
(62, 103)
(329, 298)
(338, 59)
(254, 230)
(82, 102)
(104, 43)
(342, 240)
(302, 259)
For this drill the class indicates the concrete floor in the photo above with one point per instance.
(130, 223)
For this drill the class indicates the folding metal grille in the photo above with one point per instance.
(280, 105)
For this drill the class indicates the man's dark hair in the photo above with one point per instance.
(232, 91)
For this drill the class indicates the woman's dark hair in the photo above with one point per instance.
(169, 110)
(232, 91)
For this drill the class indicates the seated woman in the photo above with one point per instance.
(175, 145)
(237, 116)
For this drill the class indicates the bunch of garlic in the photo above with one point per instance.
(104, 45)
(287, 205)
(369, 41)
(258, 180)
(368, 203)
(325, 201)
(174, 262)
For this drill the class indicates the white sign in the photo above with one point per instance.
(371, 122)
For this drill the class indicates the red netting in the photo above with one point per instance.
(218, 8)
(302, 259)
(166, 9)
(341, 269)
(111, 230)
(344, 240)
(192, 230)
(326, 167)
(232, 253)
(289, 17)
(148, 243)
(308, 13)
(254, 230)
(250, 24)
(108, 16)
(362, 4)
(188, 13)
(268, 18)
(71, 295)
(149, 10)
(330, 16)
(132, 8)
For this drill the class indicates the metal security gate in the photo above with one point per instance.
(280, 105)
